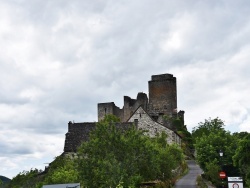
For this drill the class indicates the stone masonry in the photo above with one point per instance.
(145, 122)
(162, 101)
(143, 112)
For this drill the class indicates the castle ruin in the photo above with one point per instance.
(162, 101)
(146, 113)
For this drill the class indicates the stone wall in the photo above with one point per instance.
(80, 132)
(109, 108)
(130, 105)
(77, 133)
(145, 122)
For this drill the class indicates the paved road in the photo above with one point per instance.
(189, 180)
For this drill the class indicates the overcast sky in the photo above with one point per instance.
(59, 58)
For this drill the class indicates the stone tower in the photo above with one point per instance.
(162, 95)
(162, 100)
(109, 108)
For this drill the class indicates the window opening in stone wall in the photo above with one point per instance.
(155, 118)
(136, 122)
(105, 109)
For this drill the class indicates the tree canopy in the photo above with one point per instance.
(211, 137)
(241, 158)
(207, 127)
(114, 157)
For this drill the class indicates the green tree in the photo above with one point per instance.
(116, 157)
(25, 179)
(241, 158)
(205, 128)
(210, 138)
(212, 171)
(177, 124)
(208, 147)
(110, 118)
(62, 170)
(241, 135)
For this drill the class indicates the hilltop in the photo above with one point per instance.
(4, 179)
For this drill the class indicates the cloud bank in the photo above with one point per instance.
(58, 59)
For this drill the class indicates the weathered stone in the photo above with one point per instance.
(146, 113)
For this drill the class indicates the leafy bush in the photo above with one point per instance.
(26, 179)
(62, 170)
(111, 158)
(114, 157)
(200, 182)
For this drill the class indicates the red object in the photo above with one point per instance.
(222, 175)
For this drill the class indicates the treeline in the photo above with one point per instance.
(210, 138)
(111, 158)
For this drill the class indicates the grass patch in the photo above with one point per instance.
(200, 182)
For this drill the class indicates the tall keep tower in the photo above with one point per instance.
(162, 95)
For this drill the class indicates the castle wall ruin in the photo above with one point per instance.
(146, 113)
(162, 100)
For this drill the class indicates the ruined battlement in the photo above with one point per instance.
(145, 112)
(162, 100)
(109, 108)
(77, 133)
(130, 105)
(80, 132)
(162, 77)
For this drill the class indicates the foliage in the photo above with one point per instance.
(212, 171)
(62, 170)
(110, 118)
(241, 158)
(4, 179)
(210, 137)
(116, 157)
(113, 157)
(205, 128)
(208, 147)
(200, 182)
(241, 135)
(177, 124)
(25, 179)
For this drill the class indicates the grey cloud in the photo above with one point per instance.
(67, 56)
(14, 149)
(9, 99)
